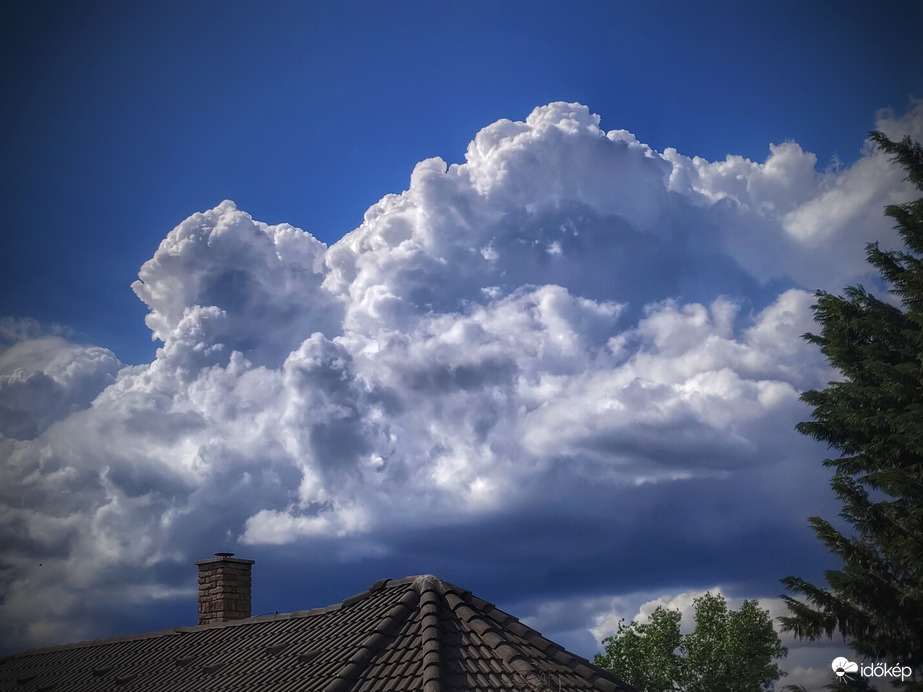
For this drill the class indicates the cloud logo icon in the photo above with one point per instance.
(841, 666)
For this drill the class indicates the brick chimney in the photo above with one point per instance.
(224, 588)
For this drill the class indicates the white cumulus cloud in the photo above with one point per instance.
(567, 311)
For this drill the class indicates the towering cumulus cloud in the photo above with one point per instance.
(569, 321)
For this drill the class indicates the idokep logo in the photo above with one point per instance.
(843, 668)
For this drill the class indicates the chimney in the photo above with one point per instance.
(224, 588)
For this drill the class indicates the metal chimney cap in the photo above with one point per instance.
(224, 554)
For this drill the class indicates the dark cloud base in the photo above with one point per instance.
(563, 373)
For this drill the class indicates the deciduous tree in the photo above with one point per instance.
(727, 651)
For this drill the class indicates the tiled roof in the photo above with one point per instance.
(417, 633)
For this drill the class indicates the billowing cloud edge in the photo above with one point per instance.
(567, 298)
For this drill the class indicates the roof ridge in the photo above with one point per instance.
(375, 641)
(492, 637)
(431, 589)
(186, 629)
(483, 618)
(492, 619)
(582, 666)
(420, 633)
(88, 643)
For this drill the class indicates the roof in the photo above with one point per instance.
(417, 633)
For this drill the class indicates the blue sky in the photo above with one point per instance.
(124, 119)
(558, 365)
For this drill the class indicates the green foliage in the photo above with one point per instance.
(727, 651)
(873, 417)
(645, 654)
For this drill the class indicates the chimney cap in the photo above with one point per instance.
(224, 558)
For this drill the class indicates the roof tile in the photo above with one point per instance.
(416, 633)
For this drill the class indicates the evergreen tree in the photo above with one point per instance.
(873, 417)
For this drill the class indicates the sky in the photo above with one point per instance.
(511, 293)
